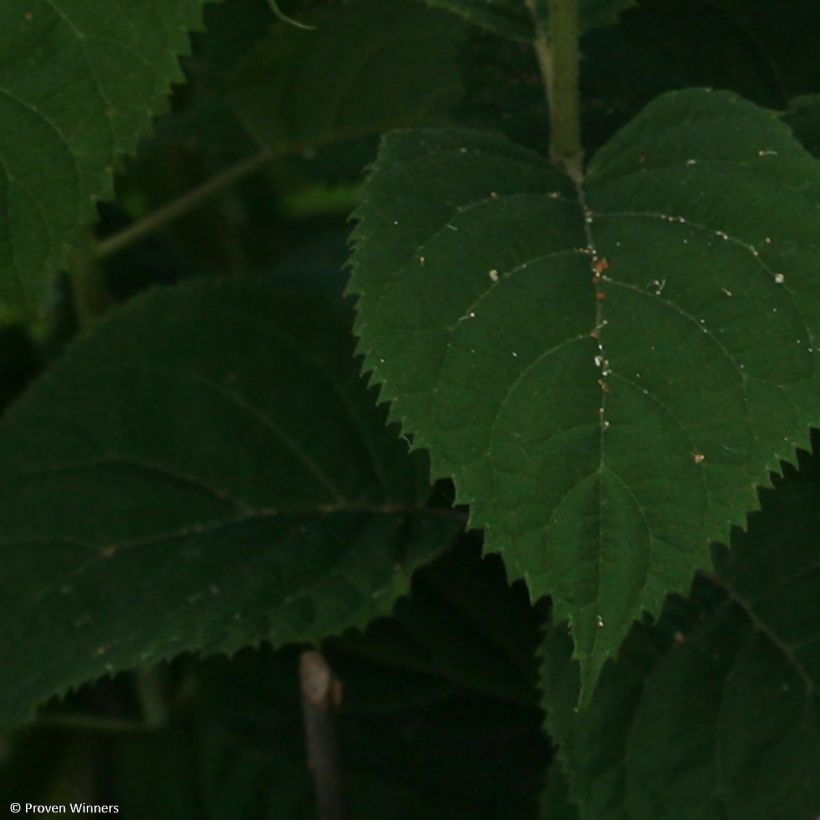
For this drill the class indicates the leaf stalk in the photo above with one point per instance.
(183, 205)
(557, 50)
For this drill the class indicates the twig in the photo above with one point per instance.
(321, 695)
(89, 287)
(180, 207)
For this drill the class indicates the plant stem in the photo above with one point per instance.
(321, 693)
(556, 48)
(185, 204)
(89, 287)
(150, 690)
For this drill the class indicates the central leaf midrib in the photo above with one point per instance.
(598, 278)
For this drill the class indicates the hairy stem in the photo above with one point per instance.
(182, 206)
(556, 47)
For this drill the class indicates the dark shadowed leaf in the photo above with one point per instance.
(803, 117)
(510, 18)
(555, 802)
(202, 471)
(713, 712)
(366, 67)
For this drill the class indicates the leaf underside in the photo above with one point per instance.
(204, 471)
(608, 374)
(80, 84)
(714, 712)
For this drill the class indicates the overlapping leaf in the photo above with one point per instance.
(79, 83)
(607, 374)
(366, 67)
(803, 118)
(555, 802)
(779, 38)
(511, 18)
(203, 471)
(747, 46)
(713, 712)
(508, 18)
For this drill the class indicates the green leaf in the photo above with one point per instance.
(418, 739)
(607, 376)
(503, 91)
(203, 471)
(80, 85)
(779, 36)
(555, 803)
(652, 47)
(370, 65)
(748, 46)
(599, 13)
(803, 117)
(713, 712)
(510, 18)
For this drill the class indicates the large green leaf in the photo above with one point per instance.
(608, 373)
(366, 67)
(203, 471)
(79, 83)
(713, 712)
